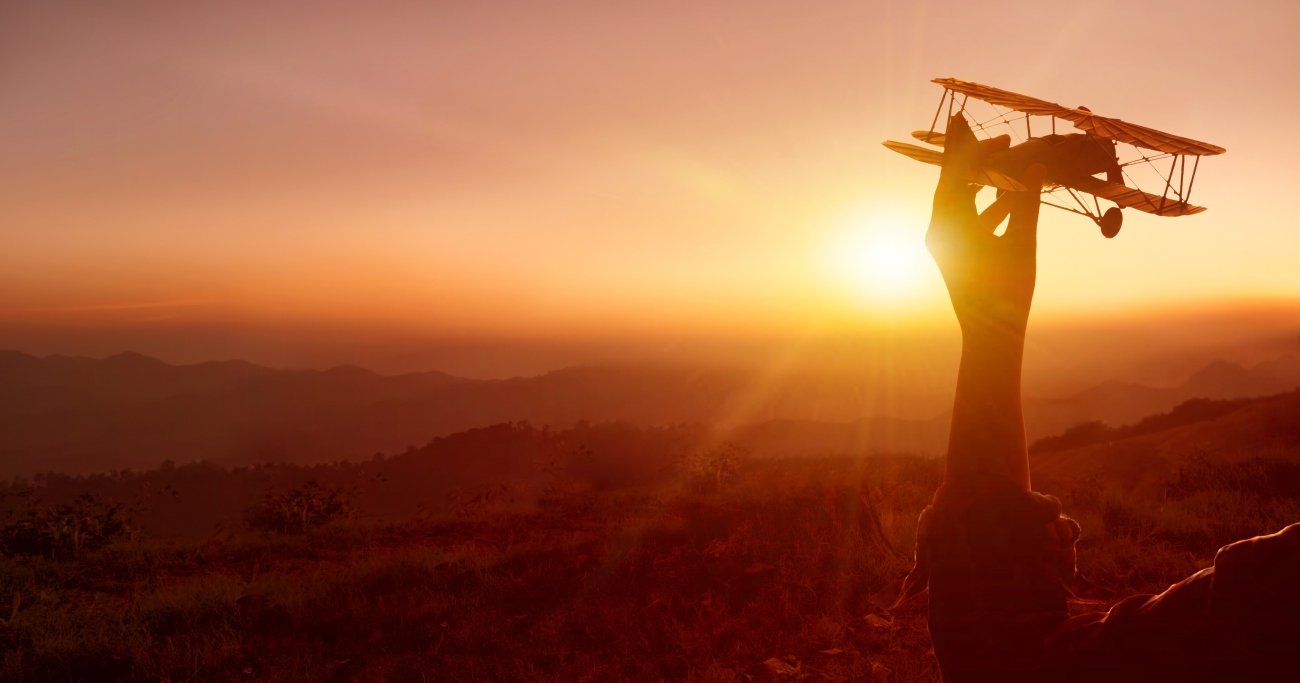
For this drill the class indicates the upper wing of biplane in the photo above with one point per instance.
(1110, 128)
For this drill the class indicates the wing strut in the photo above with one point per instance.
(938, 109)
(1169, 180)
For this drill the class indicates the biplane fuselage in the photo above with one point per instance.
(1066, 157)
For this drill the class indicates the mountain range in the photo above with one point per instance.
(77, 414)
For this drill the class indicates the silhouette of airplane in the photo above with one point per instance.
(1073, 160)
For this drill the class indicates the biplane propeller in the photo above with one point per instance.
(1073, 160)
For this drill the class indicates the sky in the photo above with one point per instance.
(245, 179)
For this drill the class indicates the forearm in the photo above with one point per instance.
(987, 437)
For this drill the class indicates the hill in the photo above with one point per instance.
(1118, 403)
(454, 472)
(1144, 456)
(71, 414)
(611, 552)
(129, 411)
(811, 438)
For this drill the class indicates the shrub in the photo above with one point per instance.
(1262, 477)
(60, 531)
(1074, 437)
(306, 507)
(712, 469)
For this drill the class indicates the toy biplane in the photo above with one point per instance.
(1074, 161)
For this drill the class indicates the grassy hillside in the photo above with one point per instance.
(781, 570)
(717, 568)
(1143, 456)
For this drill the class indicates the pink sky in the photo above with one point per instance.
(572, 170)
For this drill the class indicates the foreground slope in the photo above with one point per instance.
(1146, 453)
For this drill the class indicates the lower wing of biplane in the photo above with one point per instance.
(1074, 161)
(1109, 221)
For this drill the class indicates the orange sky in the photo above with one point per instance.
(568, 169)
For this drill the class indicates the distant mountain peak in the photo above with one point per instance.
(349, 370)
(16, 356)
(1217, 371)
(1219, 365)
(132, 357)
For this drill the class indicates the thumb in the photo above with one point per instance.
(1023, 226)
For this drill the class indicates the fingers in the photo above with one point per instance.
(955, 212)
(953, 215)
(960, 150)
(962, 154)
(954, 197)
(995, 212)
(1024, 206)
(958, 133)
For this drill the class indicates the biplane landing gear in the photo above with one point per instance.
(1110, 222)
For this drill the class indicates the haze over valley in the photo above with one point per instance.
(80, 414)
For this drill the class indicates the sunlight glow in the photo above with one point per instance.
(880, 257)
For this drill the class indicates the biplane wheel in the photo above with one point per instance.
(1110, 222)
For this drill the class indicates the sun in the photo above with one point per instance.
(880, 258)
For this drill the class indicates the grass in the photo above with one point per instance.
(778, 570)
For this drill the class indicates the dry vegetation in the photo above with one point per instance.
(730, 569)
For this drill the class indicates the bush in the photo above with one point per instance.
(60, 531)
(1079, 435)
(712, 469)
(297, 510)
(1262, 477)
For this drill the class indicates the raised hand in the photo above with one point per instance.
(990, 281)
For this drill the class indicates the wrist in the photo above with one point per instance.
(997, 322)
(990, 342)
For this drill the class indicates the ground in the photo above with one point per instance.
(758, 570)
